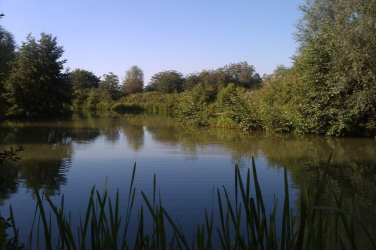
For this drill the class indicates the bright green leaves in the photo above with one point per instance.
(336, 66)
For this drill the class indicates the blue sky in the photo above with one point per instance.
(183, 35)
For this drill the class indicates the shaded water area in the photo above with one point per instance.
(70, 156)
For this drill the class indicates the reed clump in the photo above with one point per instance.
(244, 223)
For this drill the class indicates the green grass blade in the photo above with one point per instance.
(47, 234)
(176, 230)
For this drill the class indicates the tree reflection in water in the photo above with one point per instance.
(50, 150)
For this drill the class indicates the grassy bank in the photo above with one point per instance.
(244, 222)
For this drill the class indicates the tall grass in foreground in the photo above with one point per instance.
(244, 222)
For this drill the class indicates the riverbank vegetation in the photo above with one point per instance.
(330, 89)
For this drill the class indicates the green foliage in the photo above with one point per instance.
(36, 85)
(134, 80)
(318, 106)
(153, 101)
(190, 81)
(193, 107)
(212, 81)
(83, 79)
(242, 74)
(79, 97)
(7, 55)
(331, 88)
(276, 101)
(336, 66)
(110, 84)
(278, 73)
(167, 82)
(234, 108)
(92, 100)
(225, 97)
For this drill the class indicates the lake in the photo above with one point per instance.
(70, 156)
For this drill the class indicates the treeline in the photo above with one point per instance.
(34, 82)
(330, 89)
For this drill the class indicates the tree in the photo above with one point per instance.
(280, 72)
(92, 100)
(134, 80)
(336, 66)
(36, 85)
(110, 84)
(83, 79)
(7, 48)
(190, 81)
(7, 55)
(242, 74)
(213, 81)
(167, 81)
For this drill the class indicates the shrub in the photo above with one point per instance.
(193, 107)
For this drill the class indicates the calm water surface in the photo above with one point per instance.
(70, 156)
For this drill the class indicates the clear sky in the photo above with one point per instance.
(156, 35)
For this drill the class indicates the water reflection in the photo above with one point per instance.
(50, 149)
(134, 134)
(8, 182)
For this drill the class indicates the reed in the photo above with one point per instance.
(244, 223)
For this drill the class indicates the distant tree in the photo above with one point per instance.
(190, 81)
(83, 79)
(209, 80)
(279, 72)
(36, 85)
(134, 80)
(167, 81)
(110, 83)
(242, 74)
(213, 81)
(148, 88)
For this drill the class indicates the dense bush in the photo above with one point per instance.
(233, 108)
(193, 107)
